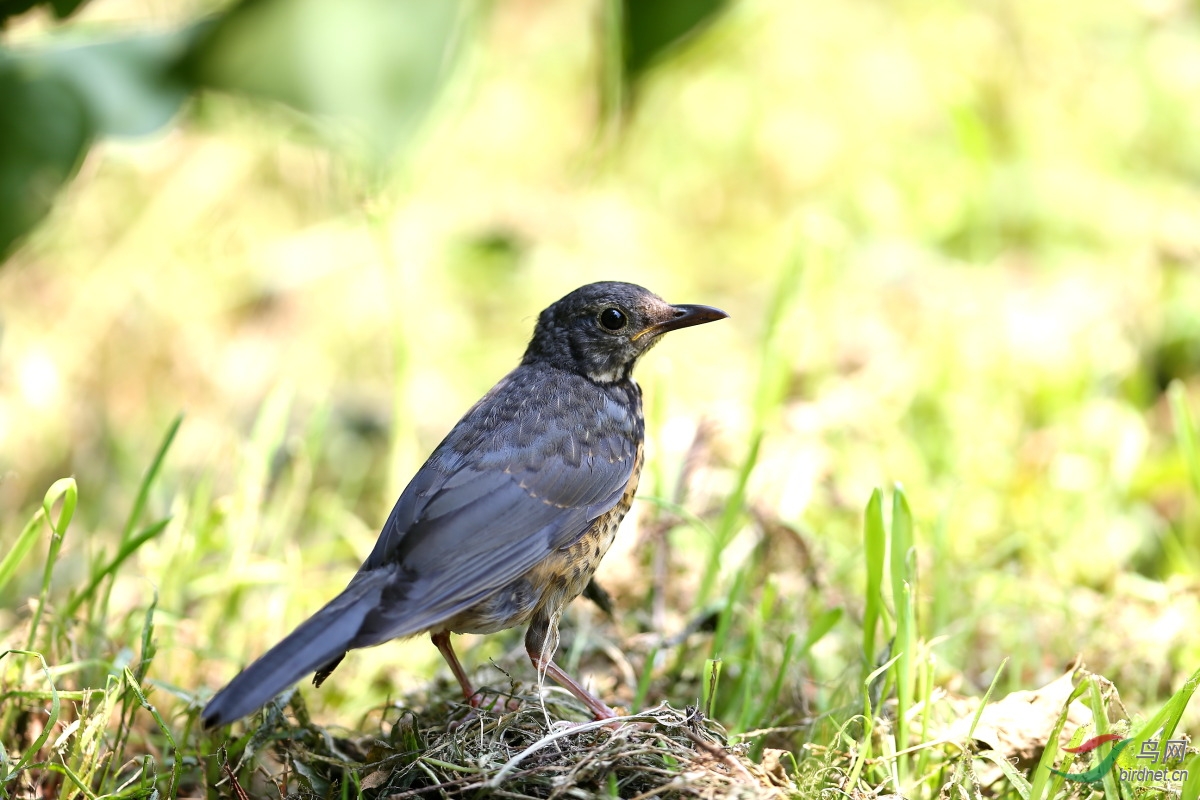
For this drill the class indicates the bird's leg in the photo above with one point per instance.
(597, 706)
(541, 640)
(441, 641)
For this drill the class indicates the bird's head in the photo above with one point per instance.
(600, 330)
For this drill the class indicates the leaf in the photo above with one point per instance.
(1016, 778)
(20, 548)
(61, 8)
(651, 29)
(44, 131)
(874, 549)
(65, 8)
(1020, 724)
(375, 64)
(1191, 786)
(58, 98)
(129, 85)
(14, 8)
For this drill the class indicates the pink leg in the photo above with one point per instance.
(442, 642)
(545, 666)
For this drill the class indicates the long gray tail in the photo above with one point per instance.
(322, 638)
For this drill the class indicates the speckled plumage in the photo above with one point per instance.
(511, 514)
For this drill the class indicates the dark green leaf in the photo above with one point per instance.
(61, 8)
(57, 98)
(44, 131)
(65, 8)
(14, 8)
(652, 28)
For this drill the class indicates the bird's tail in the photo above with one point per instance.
(321, 639)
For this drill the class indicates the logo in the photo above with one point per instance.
(1153, 751)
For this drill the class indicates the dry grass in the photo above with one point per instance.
(527, 753)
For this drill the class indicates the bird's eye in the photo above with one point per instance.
(613, 319)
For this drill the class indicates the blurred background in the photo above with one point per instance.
(959, 244)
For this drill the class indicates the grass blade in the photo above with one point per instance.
(874, 547)
(986, 698)
(1191, 786)
(1042, 773)
(901, 569)
(1010, 771)
(134, 685)
(1165, 721)
(20, 548)
(66, 490)
(712, 676)
(1100, 720)
(51, 720)
(728, 524)
(127, 549)
(143, 495)
(769, 391)
(643, 685)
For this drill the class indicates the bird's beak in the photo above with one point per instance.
(684, 317)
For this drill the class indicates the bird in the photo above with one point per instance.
(507, 520)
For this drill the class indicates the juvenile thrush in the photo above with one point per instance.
(510, 516)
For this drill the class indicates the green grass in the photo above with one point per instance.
(944, 446)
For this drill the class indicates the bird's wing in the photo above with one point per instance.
(494, 500)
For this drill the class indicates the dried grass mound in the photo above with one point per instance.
(527, 753)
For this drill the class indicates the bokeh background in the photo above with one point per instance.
(959, 244)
